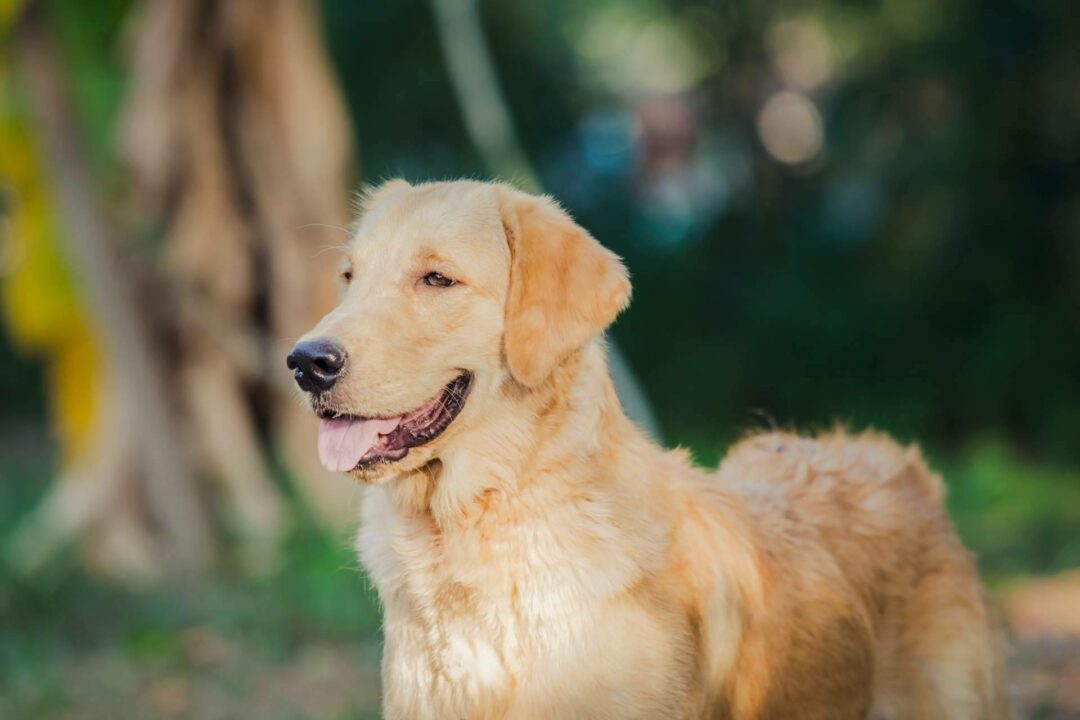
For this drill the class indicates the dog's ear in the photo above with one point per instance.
(565, 287)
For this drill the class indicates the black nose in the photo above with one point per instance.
(316, 364)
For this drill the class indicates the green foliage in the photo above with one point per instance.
(54, 621)
(1022, 518)
(90, 35)
(920, 275)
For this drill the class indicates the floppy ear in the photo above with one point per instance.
(565, 287)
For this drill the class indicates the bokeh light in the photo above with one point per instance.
(790, 128)
(801, 53)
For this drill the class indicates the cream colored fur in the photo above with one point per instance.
(544, 559)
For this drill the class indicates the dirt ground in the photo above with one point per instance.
(218, 678)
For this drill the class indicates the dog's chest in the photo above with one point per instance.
(448, 646)
(456, 633)
(480, 620)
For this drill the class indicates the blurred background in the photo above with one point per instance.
(834, 211)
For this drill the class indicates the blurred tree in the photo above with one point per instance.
(40, 305)
(238, 150)
(133, 423)
(41, 308)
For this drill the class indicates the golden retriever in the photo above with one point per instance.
(537, 556)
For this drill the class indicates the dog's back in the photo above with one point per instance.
(855, 526)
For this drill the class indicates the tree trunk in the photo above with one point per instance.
(239, 152)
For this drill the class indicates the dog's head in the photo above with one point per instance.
(450, 291)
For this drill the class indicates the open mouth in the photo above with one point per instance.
(349, 442)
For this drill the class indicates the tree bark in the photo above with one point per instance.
(136, 371)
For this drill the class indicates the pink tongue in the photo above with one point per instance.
(344, 441)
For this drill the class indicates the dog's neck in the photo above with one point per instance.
(574, 418)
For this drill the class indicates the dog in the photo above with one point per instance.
(538, 556)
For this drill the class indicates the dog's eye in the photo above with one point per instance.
(346, 275)
(439, 280)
